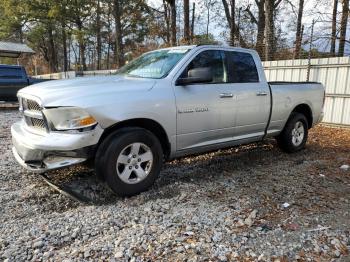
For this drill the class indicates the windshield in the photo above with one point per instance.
(155, 64)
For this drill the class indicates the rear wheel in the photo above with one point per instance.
(294, 135)
(130, 160)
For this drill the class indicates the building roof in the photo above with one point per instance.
(10, 49)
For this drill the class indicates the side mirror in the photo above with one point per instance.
(197, 75)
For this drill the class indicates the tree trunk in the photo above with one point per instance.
(261, 29)
(173, 21)
(109, 33)
(233, 23)
(82, 56)
(298, 36)
(20, 29)
(334, 27)
(68, 52)
(64, 44)
(167, 22)
(52, 50)
(187, 21)
(269, 29)
(98, 35)
(227, 12)
(260, 23)
(343, 27)
(119, 53)
(192, 21)
(208, 20)
(81, 42)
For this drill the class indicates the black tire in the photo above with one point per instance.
(111, 148)
(285, 139)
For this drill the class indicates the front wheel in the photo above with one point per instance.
(130, 160)
(294, 135)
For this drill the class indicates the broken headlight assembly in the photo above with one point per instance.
(69, 118)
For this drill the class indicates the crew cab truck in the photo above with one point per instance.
(12, 79)
(165, 104)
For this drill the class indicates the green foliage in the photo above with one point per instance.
(204, 39)
(13, 17)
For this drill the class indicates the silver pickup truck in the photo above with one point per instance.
(165, 104)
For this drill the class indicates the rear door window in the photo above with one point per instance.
(241, 67)
(10, 73)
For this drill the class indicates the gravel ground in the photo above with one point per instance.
(249, 203)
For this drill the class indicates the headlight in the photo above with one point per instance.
(69, 118)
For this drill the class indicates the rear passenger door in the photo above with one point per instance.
(252, 96)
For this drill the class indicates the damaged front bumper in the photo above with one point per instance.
(40, 152)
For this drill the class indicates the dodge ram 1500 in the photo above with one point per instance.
(165, 104)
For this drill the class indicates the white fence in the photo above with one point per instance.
(333, 73)
(72, 74)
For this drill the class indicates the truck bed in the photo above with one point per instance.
(288, 95)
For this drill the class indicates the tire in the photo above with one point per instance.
(129, 160)
(294, 135)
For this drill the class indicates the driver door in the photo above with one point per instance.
(205, 111)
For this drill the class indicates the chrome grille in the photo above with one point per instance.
(35, 122)
(33, 105)
(32, 114)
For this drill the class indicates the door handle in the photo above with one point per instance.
(261, 93)
(226, 95)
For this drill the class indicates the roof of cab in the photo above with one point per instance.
(207, 46)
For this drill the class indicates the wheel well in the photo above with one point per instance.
(306, 111)
(145, 123)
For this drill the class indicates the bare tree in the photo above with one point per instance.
(109, 33)
(119, 53)
(270, 44)
(192, 20)
(208, 4)
(269, 29)
(187, 21)
(299, 33)
(98, 34)
(233, 23)
(343, 26)
(334, 27)
(261, 27)
(230, 17)
(82, 43)
(167, 22)
(63, 22)
(52, 49)
(172, 4)
(64, 45)
(260, 23)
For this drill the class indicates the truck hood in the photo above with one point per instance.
(59, 92)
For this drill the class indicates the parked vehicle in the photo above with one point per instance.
(12, 79)
(165, 104)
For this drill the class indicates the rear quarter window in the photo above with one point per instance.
(242, 67)
(10, 73)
